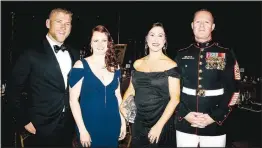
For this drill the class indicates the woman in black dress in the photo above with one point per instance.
(155, 85)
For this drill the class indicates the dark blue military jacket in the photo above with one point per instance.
(209, 74)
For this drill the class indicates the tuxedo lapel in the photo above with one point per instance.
(54, 70)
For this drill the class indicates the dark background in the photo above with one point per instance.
(238, 26)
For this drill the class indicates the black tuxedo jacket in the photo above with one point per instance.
(46, 93)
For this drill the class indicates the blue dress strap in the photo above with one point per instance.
(75, 75)
(118, 73)
(85, 64)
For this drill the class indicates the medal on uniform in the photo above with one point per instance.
(215, 60)
(221, 61)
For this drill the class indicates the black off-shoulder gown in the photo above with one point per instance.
(151, 99)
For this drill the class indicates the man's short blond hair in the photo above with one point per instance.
(57, 10)
(205, 10)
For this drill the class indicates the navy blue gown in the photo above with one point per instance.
(99, 107)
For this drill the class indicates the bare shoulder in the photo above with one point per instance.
(138, 62)
(118, 67)
(78, 64)
(169, 63)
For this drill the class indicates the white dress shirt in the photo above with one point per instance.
(64, 60)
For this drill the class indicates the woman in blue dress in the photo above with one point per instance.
(95, 94)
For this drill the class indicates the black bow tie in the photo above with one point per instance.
(57, 48)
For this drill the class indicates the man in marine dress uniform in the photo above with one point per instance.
(209, 74)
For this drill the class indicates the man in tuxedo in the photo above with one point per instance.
(46, 115)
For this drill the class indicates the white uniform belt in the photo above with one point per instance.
(203, 92)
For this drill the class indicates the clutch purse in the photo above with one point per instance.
(130, 108)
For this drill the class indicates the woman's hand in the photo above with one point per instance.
(85, 139)
(122, 131)
(154, 133)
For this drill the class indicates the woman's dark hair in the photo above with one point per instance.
(157, 24)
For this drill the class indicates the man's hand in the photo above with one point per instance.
(30, 128)
(196, 119)
(208, 120)
(203, 121)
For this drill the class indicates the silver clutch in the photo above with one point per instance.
(130, 108)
